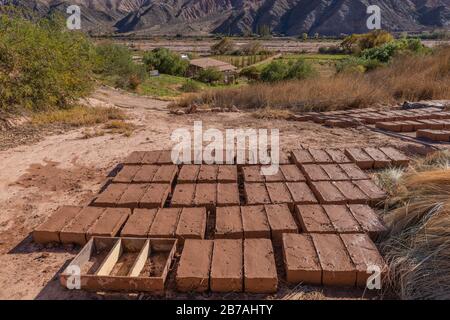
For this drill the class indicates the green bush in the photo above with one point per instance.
(166, 61)
(251, 73)
(210, 75)
(42, 64)
(357, 64)
(301, 69)
(387, 51)
(274, 71)
(190, 86)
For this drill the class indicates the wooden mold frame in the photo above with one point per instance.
(117, 264)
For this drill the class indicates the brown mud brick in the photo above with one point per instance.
(342, 219)
(277, 177)
(227, 265)
(188, 173)
(227, 194)
(335, 172)
(337, 266)
(145, 173)
(314, 172)
(227, 174)
(165, 223)
(75, 231)
(320, 156)
(256, 193)
(151, 157)
(302, 157)
(139, 223)
(358, 156)
(194, 267)
(419, 125)
(155, 196)
(381, 160)
(183, 195)
(110, 223)
(283, 158)
(353, 171)
(132, 196)
(135, 157)
(280, 221)
(398, 158)
(371, 190)
(426, 134)
(338, 156)
(415, 125)
(367, 218)
(111, 195)
(327, 193)
(292, 173)
(278, 192)
(165, 157)
(435, 125)
(208, 173)
(364, 255)
(254, 222)
(50, 229)
(351, 192)
(260, 272)
(126, 174)
(252, 174)
(192, 224)
(407, 126)
(441, 135)
(313, 219)
(205, 195)
(229, 223)
(389, 126)
(301, 193)
(300, 258)
(165, 174)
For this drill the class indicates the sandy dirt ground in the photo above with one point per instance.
(64, 169)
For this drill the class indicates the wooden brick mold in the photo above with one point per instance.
(122, 264)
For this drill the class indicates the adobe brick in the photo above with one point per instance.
(111, 195)
(229, 223)
(292, 173)
(301, 193)
(139, 223)
(381, 160)
(351, 192)
(398, 158)
(353, 171)
(254, 222)
(278, 192)
(132, 196)
(134, 158)
(227, 194)
(165, 174)
(338, 268)
(280, 221)
(367, 218)
(371, 190)
(342, 219)
(302, 156)
(338, 156)
(208, 173)
(151, 157)
(49, 231)
(314, 172)
(109, 223)
(165, 223)
(155, 196)
(260, 273)
(183, 195)
(227, 174)
(75, 231)
(188, 173)
(227, 265)
(327, 193)
(335, 172)
(256, 193)
(194, 267)
(252, 174)
(313, 219)
(320, 156)
(301, 262)
(145, 173)
(192, 224)
(205, 195)
(165, 157)
(358, 156)
(364, 254)
(126, 174)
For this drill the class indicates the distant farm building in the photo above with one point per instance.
(197, 65)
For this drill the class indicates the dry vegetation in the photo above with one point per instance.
(406, 78)
(417, 247)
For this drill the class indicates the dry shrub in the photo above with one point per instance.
(272, 114)
(407, 78)
(417, 246)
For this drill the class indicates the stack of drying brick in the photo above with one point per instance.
(234, 211)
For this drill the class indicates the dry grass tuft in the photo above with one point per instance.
(120, 127)
(417, 247)
(272, 114)
(78, 116)
(406, 78)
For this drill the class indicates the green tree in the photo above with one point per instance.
(274, 71)
(165, 61)
(301, 69)
(210, 75)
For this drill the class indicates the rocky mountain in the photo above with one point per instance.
(288, 17)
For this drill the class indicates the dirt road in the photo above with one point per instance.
(64, 169)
